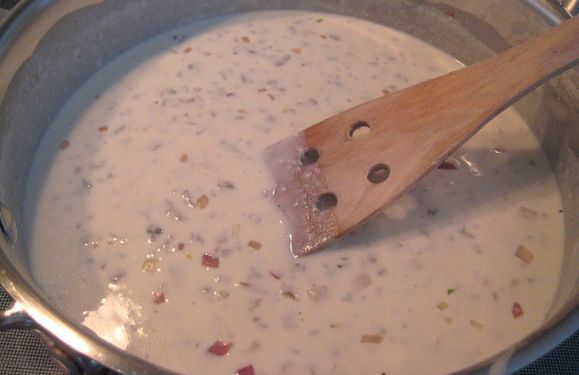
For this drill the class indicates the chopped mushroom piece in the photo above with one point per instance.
(225, 185)
(254, 245)
(524, 254)
(220, 347)
(202, 201)
(153, 231)
(371, 339)
(475, 324)
(442, 306)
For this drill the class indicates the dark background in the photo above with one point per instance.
(8, 4)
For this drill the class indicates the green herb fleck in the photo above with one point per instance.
(450, 291)
(321, 19)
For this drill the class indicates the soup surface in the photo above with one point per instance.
(153, 224)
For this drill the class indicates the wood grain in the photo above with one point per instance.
(411, 131)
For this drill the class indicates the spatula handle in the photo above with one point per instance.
(412, 130)
(508, 76)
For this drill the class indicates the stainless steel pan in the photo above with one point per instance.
(48, 48)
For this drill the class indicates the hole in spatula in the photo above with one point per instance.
(378, 173)
(359, 130)
(326, 201)
(309, 157)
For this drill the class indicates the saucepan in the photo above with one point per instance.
(48, 48)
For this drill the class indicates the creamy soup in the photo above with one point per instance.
(152, 221)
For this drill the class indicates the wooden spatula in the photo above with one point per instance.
(329, 179)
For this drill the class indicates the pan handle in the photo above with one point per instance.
(570, 6)
(15, 317)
